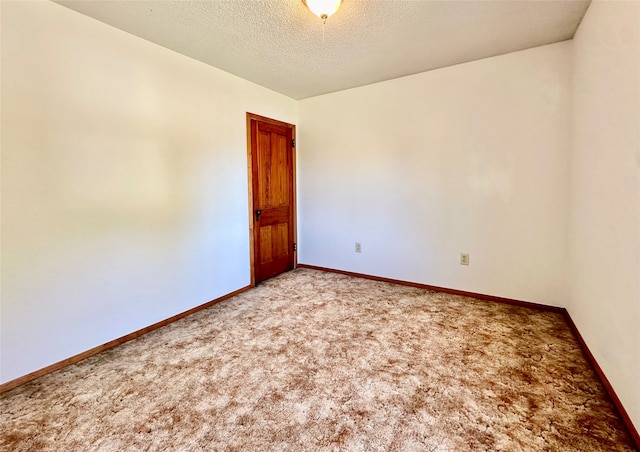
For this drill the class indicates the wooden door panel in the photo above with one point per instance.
(280, 171)
(264, 170)
(280, 244)
(273, 198)
(266, 245)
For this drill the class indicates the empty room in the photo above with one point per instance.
(368, 225)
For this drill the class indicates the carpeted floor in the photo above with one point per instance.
(320, 361)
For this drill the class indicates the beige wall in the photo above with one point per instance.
(472, 158)
(604, 227)
(124, 183)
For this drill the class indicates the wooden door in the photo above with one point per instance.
(272, 196)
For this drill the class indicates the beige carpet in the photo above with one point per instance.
(319, 361)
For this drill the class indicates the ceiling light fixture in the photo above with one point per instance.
(323, 8)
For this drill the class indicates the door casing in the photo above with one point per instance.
(251, 117)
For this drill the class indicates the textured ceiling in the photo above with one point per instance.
(279, 43)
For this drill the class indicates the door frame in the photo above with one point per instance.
(252, 252)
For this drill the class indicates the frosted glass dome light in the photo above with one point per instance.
(323, 8)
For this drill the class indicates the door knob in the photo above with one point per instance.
(258, 213)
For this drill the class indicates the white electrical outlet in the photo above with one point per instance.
(358, 247)
(464, 259)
